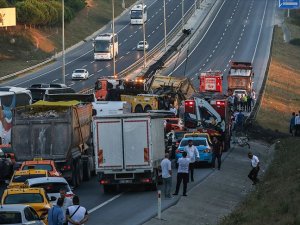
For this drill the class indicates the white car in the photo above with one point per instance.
(240, 92)
(52, 186)
(19, 214)
(80, 74)
(140, 45)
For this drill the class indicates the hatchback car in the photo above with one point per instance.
(202, 146)
(52, 186)
(141, 45)
(19, 214)
(80, 74)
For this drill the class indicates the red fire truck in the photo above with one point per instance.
(211, 81)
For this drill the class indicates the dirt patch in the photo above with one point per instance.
(41, 41)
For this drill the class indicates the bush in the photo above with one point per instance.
(3, 4)
(295, 41)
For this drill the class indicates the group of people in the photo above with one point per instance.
(242, 102)
(67, 211)
(295, 124)
(186, 166)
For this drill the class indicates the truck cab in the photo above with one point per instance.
(211, 81)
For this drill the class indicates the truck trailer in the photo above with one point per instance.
(128, 149)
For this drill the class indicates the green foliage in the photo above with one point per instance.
(3, 4)
(295, 41)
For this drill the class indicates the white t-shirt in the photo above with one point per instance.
(297, 120)
(183, 165)
(254, 161)
(165, 168)
(67, 202)
(79, 215)
(192, 152)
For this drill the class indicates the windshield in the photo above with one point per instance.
(23, 178)
(184, 143)
(79, 71)
(136, 14)
(24, 198)
(38, 167)
(10, 217)
(53, 187)
(101, 46)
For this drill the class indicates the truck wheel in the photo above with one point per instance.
(138, 109)
(147, 107)
(86, 171)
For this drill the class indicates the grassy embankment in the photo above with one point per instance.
(22, 48)
(276, 199)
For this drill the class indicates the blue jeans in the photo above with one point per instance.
(167, 186)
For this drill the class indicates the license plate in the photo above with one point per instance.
(125, 181)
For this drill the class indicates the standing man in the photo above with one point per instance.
(76, 214)
(292, 124)
(66, 203)
(193, 154)
(183, 173)
(173, 109)
(297, 124)
(255, 168)
(166, 175)
(216, 153)
(55, 214)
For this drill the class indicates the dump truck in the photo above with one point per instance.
(211, 81)
(240, 77)
(128, 149)
(59, 131)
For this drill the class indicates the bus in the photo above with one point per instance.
(10, 98)
(138, 14)
(105, 46)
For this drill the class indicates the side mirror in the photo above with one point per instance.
(52, 198)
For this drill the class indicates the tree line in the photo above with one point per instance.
(43, 12)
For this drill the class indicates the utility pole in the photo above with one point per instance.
(144, 34)
(113, 31)
(182, 12)
(165, 25)
(63, 79)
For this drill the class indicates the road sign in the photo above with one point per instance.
(288, 4)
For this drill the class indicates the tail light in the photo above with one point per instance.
(220, 103)
(104, 181)
(189, 106)
(69, 195)
(146, 180)
(177, 151)
(207, 150)
(66, 167)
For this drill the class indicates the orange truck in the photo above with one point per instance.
(211, 81)
(240, 77)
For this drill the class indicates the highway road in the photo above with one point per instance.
(241, 30)
(129, 35)
(238, 30)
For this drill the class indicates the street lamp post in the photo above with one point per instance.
(195, 6)
(165, 25)
(182, 12)
(63, 80)
(113, 31)
(144, 34)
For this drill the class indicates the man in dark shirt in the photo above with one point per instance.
(216, 152)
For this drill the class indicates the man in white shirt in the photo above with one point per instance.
(166, 175)
(173, 109)
(76, 214)
(66, 203)
(193, 154)
(183, 173)
(255, 168)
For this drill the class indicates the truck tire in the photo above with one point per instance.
(138, 109)
(86, 170)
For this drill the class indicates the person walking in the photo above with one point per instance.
(292, 124)
(297, 124)
(193, 154)
(173, 109)
(166, 175)
(216, 152)
(76, 214)
(255, 168)
(55, 214)
(249, 103)
(253, 97)
(183, 173)
(66, 203)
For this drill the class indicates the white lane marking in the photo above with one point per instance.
(91, 75)
(227, 65)
(99, 70)
(122, 57)
(127, 53)
(92, 62)
(67, 75)
(54, 80)
(107, 66)
(168, 16)
(157, 27)
(152, 16)
(133, 48)
(149, 35)
(262, 21)
(214, 51)
(203, 65)
(153, 32)
(84, 66)
(210, 56)
(130, 36)
(160, 24)
(72, 83)
(135, 31)
(125, 40)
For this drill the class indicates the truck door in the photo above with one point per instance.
(109, 153)
(136, 143)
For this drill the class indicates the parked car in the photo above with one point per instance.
(52, 186)
(239, 92)
(19, 215)
(141, 45)
(202, 146)
(80, 74)
(40, 164)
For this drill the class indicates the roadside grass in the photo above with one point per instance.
(276, 199)
(40, 43)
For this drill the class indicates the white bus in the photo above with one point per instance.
(10, 98)
(138, 14)
(106, 46)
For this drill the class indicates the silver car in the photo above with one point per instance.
(80, 74)
(18, 215)
(140, 45)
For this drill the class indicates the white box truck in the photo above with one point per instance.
(128, 149)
